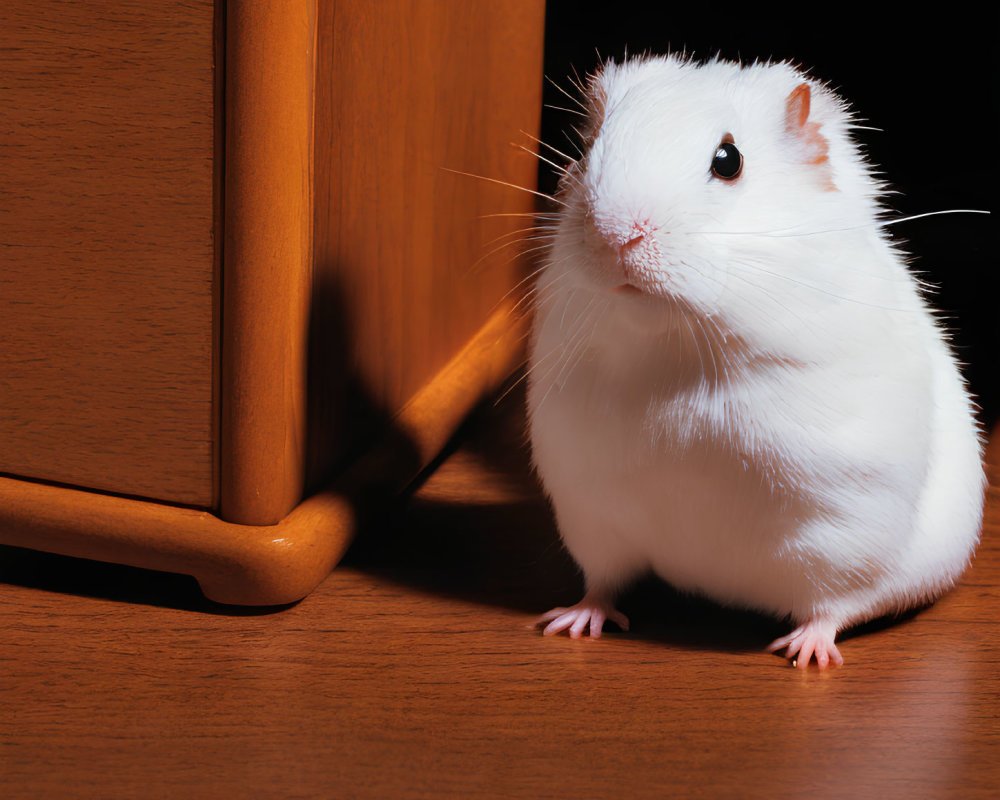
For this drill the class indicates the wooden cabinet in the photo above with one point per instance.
(108, 246)
(241, 277)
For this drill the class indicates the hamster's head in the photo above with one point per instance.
(707, 185)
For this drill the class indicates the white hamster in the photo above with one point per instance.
(734, 380)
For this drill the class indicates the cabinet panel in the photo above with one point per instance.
(408, 93)
(107, 256)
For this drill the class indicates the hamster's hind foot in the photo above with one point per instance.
(813, 639)
(590, 613)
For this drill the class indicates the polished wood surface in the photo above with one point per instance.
(267, 564)
(411, 672)
(403, 273)
(107, 249)
(144, 357)
(298, 338)
(270, 72)
(344, 118)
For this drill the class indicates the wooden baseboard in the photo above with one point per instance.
(274, 564)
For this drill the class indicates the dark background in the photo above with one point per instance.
(927, 81)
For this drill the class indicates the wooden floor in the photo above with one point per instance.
(412, 673)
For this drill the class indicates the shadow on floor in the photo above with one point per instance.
(509, 554)
(51, 572)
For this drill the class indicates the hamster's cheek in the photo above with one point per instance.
(704, 284)
(711, 286)
(642, 314)
(602, 271)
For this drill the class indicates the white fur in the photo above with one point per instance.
(775, 420)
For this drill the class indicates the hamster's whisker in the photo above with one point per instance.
(537, 299)
(546, 242)
(534, 290)
(515, 254)
(574, 100)
(579, 338)
(816, 288)
(715, 339)
(534, 215)
(516, 233)
(520, 379)
(557, 167)
(541, 248)
(507, 184)
(771, 299)
(525, 375)
(566, 110)
(887, 222)
(528, 295)
(579, 136)
(897, 279)
(531, 295)
(792, 233)
(566, 174)
(576, 81)
(550, 147)
(528, 232)
(521, 238)
(581, 325)
(708, 276)
(694, 341)
(565, 308)
(539, 362)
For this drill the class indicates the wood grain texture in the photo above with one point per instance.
(265, 546)
(107, 247)
(269, 564)
(410, 674)
(403, 274)
(270, 69)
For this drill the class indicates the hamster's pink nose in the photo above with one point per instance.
(627, 238)
(624, 246)
(632, 254)
(634, 244)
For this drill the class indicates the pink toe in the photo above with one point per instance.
(591, 612)
(548, 616)
(560, 623)
(578, 627)
(814, 640)
(806, 653)
(784, 641)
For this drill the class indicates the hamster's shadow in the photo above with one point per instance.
(510, 556)
(507, 553)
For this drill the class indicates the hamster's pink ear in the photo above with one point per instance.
(805, 132)
(797, 108)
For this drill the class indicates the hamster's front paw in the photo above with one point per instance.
(591, 612)
(814, 638)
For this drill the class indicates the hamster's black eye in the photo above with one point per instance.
(728, 161)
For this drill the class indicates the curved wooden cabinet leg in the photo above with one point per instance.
(237, 564)
(281, 563)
